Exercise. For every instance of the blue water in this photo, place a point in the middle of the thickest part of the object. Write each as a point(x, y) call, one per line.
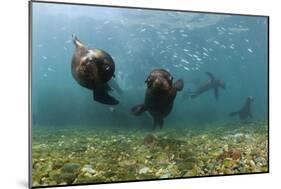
point(233, 48)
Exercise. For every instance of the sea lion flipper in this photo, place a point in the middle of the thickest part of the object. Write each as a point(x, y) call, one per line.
point(216, 92)
point(212, 77)
point(138, 109)
point(178, 85)
point(107, 87)
point(101, 95)
point(158, 121)
point(77, 42)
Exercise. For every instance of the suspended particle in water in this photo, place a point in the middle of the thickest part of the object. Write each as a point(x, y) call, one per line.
point(106, 22)
point(184, 61)
point(205, 54)
point(51, 70)
point(161, 52)
point(186, 68)
point(143, 30)
point(68, 41)
point(216, 42)
point(111, 109)
point(250, 50)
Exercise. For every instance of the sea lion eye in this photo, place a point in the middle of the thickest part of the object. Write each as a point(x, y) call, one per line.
point(171, 78)
point(148, 80)
point(107, 67)
point(90, 60)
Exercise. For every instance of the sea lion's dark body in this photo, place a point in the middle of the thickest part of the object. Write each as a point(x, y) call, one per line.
point(159, 97)
point(212, 83)
point(158, 104)
point(92, 69)
point(245, 111)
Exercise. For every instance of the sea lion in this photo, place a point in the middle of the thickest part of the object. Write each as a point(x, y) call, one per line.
point(93, 68)
point(159, 97)
point(245, 111)
point(212, 83)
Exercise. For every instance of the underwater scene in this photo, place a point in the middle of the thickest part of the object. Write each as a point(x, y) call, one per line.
point(127, 94)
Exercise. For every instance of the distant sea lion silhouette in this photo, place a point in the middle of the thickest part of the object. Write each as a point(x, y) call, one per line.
point(245, 111)
point(159, 97)
point(212, 83)
point(93, 68)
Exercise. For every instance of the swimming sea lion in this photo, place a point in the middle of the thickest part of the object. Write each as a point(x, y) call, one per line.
point(93, 68)
point(245, 111)
point(212, 83)
point(160, 95)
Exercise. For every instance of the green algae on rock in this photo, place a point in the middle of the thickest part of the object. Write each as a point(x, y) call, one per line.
point(109, 155)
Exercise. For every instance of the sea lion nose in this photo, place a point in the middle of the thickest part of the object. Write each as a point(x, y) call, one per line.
point(158, 82)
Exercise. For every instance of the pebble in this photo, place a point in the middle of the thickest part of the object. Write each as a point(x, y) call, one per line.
point(159, 172)
point(68, 177)
point(261, 161)
point(70, 167)
point(167, 175)
point(88, 169)
point(143, 170)
point(252, 163)
point(225, 147)
point(148, 156)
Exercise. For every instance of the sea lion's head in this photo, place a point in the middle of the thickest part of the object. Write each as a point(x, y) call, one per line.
point(93, 68)
point(88, 58)
point(159, 80)
point(102, 61)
